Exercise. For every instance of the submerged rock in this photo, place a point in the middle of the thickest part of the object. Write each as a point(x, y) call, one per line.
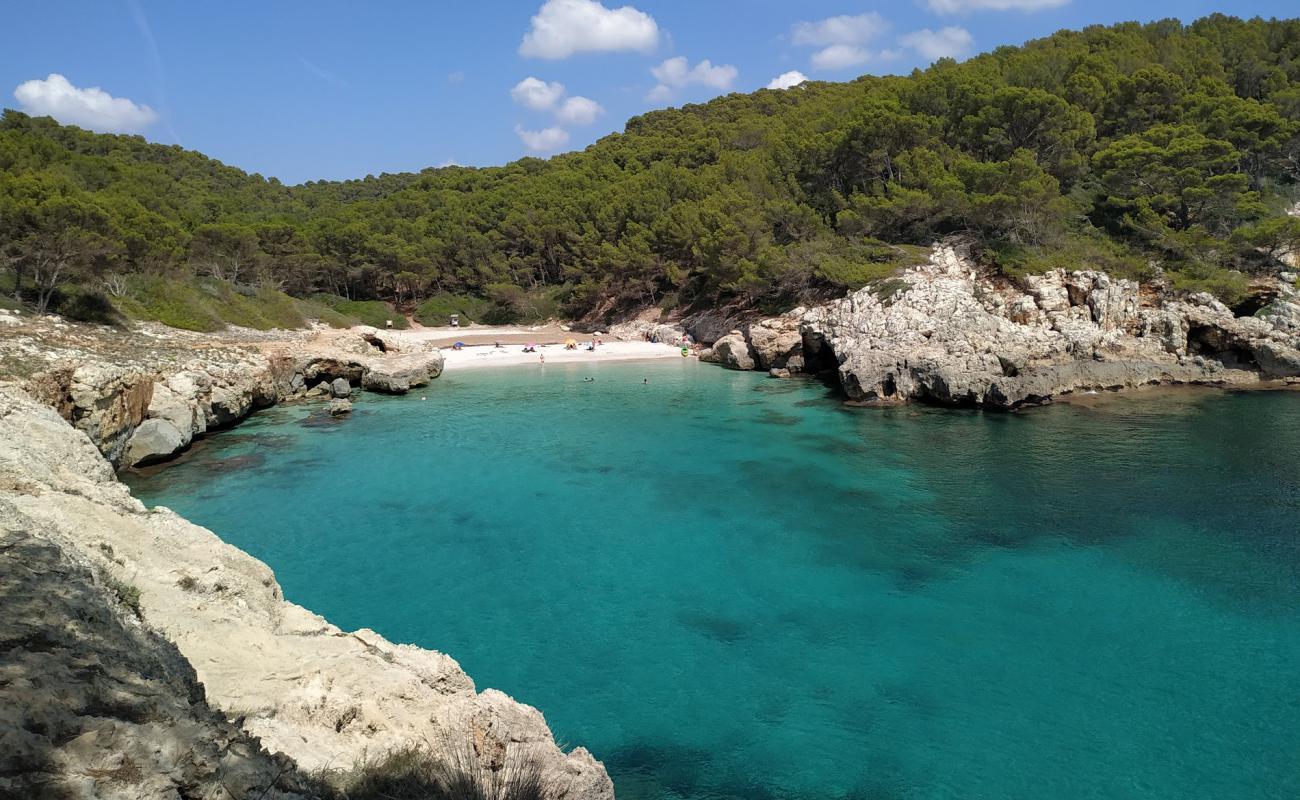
point(339, 407)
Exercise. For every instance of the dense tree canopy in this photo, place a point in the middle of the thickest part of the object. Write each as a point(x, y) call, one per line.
point(1162, 144)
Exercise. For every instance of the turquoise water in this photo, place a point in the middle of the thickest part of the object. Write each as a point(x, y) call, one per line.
point(728, 586)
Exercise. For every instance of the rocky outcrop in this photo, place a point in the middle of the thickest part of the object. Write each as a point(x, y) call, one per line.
point(93, 703)
point(648, 330)
point(731, 351)
point(946, 334)
point(774, 345)
point(323, 696)
point(340, 407)
point(175, 386)
point(943, 332)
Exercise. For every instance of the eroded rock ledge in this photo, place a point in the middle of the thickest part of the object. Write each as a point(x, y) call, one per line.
point(323, 696)
point(148, 403)
point(943, 332)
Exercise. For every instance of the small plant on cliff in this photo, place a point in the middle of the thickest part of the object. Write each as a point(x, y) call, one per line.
point(126, 594)
point(889, 289)
point(416, 772)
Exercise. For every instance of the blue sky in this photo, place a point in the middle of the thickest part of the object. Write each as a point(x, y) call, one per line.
point(322, 89)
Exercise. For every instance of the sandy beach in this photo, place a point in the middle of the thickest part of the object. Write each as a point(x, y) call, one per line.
point(511, 355)
point(481, 346)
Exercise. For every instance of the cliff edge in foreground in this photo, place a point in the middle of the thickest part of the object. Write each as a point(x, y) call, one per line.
point(324, 697)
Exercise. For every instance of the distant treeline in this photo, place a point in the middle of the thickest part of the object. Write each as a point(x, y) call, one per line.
point(1131, 148)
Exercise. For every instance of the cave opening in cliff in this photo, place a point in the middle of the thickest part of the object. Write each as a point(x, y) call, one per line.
point(1253, 303)
point(887, 387)
point(820, 360)
point(1211, 341)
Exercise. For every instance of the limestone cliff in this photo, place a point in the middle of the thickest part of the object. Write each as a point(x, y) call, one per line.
point(945, 332)
point(144, 395)
point(93, 703)
point(323, 696)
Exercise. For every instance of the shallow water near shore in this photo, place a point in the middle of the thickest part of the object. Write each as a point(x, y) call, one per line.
point(728, 586)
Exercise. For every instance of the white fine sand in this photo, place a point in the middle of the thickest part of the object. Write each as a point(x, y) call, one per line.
point(512, 355)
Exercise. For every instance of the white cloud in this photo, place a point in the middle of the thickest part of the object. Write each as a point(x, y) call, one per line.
point(455, 77)
point(546, 140)
point(787, 80)
point(840, 39)
point(537, 94)
point(840, 56)
point(562, 28)
point(540, 95)
point(843, 29)
point(950, 42)
point(91, 108)
point(964, 6)
point(578, 111)
point(677, 73)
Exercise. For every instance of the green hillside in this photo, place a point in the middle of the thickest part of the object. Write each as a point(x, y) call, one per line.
point(1130, 148)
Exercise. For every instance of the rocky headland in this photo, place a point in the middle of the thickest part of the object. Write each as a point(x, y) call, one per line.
point(142, 656)
point(144, 395)
point(950, 333)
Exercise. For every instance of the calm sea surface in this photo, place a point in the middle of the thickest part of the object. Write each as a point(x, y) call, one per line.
point(728, 586)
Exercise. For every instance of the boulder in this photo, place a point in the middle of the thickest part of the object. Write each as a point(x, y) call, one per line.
point(777, 343)
point(340, 387)
point(400, 374)
point(339, 407)
point(154, 440)
point(732, 351)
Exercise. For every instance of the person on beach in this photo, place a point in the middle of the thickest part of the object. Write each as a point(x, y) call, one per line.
point(541, 358)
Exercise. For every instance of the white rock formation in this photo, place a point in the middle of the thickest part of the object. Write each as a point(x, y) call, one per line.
point(323, 696)
point(941, 332)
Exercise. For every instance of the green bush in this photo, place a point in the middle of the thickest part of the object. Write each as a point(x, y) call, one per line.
point(1074, 251)
point(311, 309)
point(437, 310)
point(1228, 285)
point(180, 305)
point(207, 304)
point(374, 313)
point(126, 594)
point(415, 773)
point(86, 305)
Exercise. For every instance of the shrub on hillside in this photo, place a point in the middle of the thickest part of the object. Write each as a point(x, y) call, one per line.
point(368, 312)
point(416, 773)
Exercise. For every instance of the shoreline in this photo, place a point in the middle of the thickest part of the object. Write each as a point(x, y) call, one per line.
point(473, 357)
